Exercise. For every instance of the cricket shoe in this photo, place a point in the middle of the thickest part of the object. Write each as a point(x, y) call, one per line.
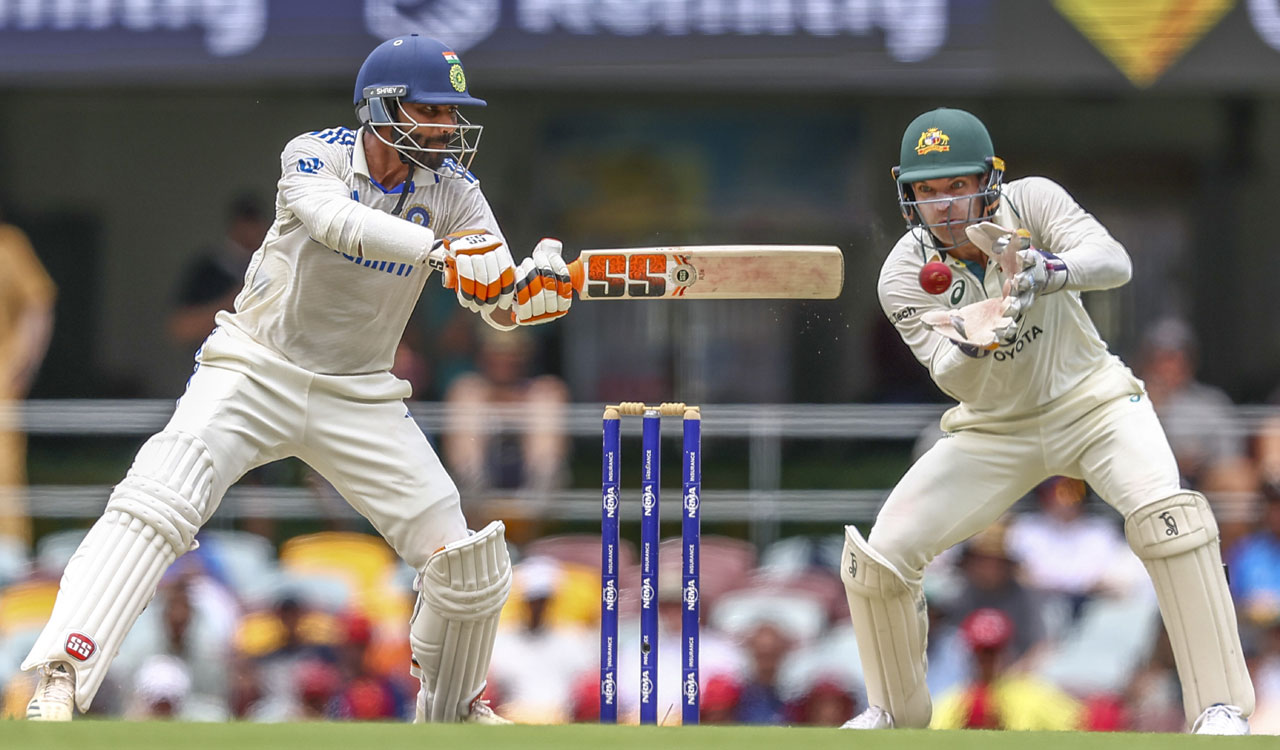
point(873, 718)
point(54, 699)
point(1221, 719)
point(480, 712)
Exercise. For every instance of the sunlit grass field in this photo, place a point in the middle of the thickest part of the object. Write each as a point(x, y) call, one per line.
point(84, 735)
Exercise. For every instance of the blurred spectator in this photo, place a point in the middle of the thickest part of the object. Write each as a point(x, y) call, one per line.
point(1059, 548)
point(26, 322)
point(1254, 562)
point(161, 689)
point(1198, 419)
point(212, 280)
point(989, 582)
point(826, 704)
point(293, 637)
point(1268, 447)
point(720, 698)
point(535, 665)
point(531, 456)
point(761, 701)
point(364, 694)
point(999, 698)
point(1154, 695)
point(318, 684)
point(204, 659)
point(1265, 668)
point(246, 694)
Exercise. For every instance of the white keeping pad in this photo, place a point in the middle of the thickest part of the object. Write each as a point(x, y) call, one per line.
point(1177, 539)
point(463, 589)
point(890, 627)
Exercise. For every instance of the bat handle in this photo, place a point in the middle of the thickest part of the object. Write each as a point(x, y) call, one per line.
point(439, 260)
point(575, 275)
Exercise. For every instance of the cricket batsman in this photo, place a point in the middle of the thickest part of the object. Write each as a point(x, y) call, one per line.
point(1039, 395)
point(301, 368)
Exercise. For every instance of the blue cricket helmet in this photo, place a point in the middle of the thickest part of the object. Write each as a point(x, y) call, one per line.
point(416, 69)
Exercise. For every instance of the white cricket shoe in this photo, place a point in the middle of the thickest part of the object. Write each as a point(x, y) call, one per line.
point(54, 699)
point(481, 713)
point(873, 718)
point(1221, 718)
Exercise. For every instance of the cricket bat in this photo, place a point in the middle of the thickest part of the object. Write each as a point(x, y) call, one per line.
point(698, 272)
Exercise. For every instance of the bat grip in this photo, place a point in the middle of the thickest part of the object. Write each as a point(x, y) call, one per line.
point(575, 275)
point(439, 260)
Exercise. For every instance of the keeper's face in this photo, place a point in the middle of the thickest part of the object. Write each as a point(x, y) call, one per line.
point(949, 204)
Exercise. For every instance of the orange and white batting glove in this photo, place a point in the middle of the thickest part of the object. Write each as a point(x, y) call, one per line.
point(543, 289)
point(486, 273)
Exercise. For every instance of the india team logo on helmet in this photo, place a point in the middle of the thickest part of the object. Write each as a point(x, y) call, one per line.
point(932, 140)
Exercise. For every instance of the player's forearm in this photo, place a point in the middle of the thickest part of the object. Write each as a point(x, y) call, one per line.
point(344, 225)
point(1100, 263)
point(958, 374)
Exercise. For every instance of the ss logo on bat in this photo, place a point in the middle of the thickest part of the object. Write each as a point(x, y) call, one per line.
point(613, 275)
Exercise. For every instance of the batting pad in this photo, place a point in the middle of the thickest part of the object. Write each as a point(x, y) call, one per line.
point(890, 626)
point(151, 518)
point(1177, 539)
point(463, 588)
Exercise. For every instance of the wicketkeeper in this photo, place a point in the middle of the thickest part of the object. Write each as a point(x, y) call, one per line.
point(301, 368)
point(1039, 395)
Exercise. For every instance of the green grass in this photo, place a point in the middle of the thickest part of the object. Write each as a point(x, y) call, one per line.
point(86, 735)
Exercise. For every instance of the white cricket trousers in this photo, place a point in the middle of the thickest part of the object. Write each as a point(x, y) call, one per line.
point(251, 407)
point(244, 406)
point(969, 478)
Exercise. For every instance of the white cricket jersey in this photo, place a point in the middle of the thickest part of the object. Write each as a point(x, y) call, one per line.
point(324, 309)
point(1058, 349)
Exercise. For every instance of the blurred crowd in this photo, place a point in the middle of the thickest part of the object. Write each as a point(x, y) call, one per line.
point(1045, 620)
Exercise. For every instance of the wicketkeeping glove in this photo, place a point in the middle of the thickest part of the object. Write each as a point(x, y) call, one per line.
point(984, 325)
point(1029, 272)
point(486, 273)
point(1042, 273)
point(544, 291)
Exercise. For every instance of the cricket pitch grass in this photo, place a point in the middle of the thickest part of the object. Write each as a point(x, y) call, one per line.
point(88, 735)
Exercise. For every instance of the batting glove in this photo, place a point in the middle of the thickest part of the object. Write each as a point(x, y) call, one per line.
point(543, 289)
point(486, 273)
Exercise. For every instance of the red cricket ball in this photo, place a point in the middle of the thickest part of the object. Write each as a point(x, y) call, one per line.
point(935, 277)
